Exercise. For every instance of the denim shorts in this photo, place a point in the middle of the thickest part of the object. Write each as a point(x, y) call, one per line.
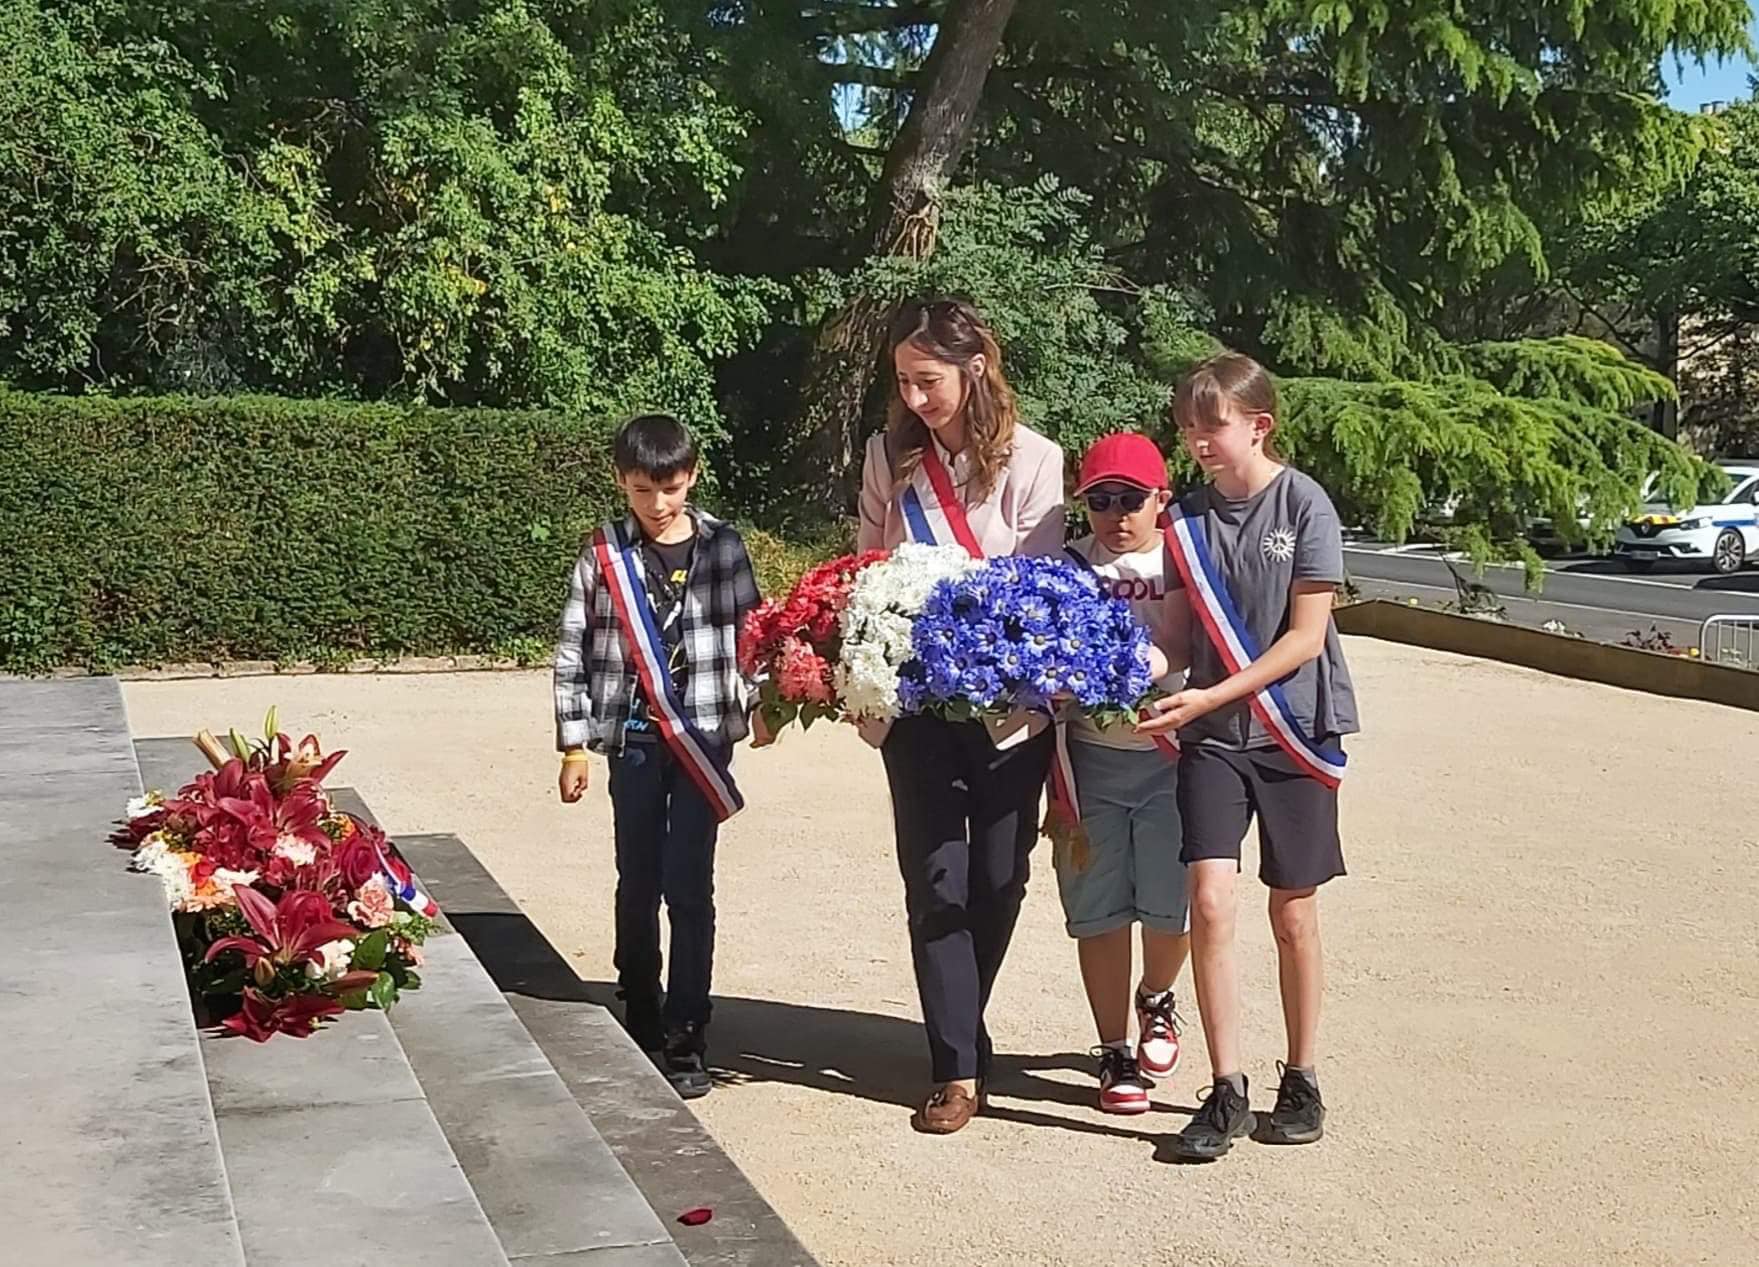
point(1130, 811)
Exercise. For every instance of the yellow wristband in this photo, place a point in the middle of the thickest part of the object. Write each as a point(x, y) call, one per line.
point(573, 758)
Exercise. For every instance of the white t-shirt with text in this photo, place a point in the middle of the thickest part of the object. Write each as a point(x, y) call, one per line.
point(1140, 579)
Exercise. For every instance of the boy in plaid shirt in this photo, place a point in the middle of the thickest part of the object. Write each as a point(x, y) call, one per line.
point(694, 577)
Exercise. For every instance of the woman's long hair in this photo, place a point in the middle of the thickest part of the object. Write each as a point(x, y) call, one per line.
point(952, 331)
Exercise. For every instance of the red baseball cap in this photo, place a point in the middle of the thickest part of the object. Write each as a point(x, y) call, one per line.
point(1125, 458)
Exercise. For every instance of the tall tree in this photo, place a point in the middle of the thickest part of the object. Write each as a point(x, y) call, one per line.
point(1329, 176)
point(902, 221)
point(475, 201)
point(1673, 275)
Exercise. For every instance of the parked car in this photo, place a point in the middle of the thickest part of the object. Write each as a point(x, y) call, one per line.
point(1724, 534)
point(1543, 534)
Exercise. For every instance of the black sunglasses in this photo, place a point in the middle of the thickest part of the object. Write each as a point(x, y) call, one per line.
point(1129, 502)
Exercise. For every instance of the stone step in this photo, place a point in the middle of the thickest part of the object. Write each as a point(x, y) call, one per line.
point(549, 1188)
point(108, 1147)
point(662, 1145)
point(553, 1190)
point(331, 1143)
point(332, 1137)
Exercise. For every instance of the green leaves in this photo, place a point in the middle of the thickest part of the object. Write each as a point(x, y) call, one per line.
point(1028, 259)
point(505, 211)
point(1390, 451)
point(369, 951)
point(280, 530)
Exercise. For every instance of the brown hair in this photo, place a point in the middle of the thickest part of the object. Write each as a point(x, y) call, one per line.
point(1227, 377)
point(951, 330)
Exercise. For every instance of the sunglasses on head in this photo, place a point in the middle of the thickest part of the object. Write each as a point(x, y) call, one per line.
point(1130, 501)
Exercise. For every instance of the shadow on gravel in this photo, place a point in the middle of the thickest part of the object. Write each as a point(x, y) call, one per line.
point(862, 1054)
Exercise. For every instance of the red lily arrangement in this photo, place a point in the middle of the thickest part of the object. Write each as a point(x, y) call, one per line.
point(289, 910)
point(791, 644)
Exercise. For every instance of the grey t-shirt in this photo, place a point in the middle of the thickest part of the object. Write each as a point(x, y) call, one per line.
point(1285, 533)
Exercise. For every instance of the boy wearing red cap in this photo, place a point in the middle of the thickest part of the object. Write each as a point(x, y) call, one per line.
point(1126, 787)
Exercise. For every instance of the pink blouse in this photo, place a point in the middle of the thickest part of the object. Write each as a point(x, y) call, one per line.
point(1023, 513)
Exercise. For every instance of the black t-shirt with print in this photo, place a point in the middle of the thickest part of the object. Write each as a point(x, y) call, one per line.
point(665, 566)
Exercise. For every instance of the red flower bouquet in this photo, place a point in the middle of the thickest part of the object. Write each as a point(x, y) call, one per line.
point(288, 909)
point(790, 645)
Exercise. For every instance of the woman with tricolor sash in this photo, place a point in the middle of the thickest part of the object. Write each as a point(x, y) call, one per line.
point(955, 466)
point(1257, 556)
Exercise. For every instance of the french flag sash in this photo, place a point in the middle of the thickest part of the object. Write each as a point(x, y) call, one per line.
point(933, 513)
point(1233, 641)
point(401, 881)
point(695, 755)
point(1063, 815)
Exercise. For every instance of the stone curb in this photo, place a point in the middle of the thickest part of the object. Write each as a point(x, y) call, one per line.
point(268, 668)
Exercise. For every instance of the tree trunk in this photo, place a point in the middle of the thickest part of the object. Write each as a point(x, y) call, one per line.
point(904, 217)
point(1666, 413)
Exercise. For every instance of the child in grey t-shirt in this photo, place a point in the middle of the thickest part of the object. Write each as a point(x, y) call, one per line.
point(1258, 555)
point(1262, 545)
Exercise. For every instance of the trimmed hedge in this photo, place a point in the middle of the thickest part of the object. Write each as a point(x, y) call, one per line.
point(169, 529)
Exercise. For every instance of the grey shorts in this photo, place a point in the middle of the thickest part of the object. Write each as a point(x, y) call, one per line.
point(1130, 811)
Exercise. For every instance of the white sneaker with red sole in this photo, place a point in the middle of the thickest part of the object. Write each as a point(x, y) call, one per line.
point(1121, 1089)
point(1159, 1026)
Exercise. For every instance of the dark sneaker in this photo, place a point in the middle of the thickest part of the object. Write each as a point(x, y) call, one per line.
point(684, 1060)
point(641, 1020)
point(1121, 1089)
point(1159, 1026)
point(1223, 1118)
point(1299, 1116)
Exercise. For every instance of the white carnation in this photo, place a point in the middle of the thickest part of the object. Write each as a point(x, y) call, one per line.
point(156, 857)
point(301, 853)
point(332, 961)
point(228, 879)
point(883, 603)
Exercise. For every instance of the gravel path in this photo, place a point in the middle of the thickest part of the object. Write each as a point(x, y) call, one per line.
point(1543, 1011)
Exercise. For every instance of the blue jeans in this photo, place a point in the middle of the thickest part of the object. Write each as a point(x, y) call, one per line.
point(665, 835)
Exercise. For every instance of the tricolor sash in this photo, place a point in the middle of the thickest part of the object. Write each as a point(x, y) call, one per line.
point(1233, 641)
point(635, 616)
point(933, 513)
point(1063, 816)
point(401, 881)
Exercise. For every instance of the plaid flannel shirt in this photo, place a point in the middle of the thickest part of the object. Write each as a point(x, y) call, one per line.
point(596, 680)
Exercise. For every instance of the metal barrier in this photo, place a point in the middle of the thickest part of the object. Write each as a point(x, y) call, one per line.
point(1732, 640)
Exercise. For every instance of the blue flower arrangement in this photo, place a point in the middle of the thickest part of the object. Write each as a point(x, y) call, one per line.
point(1017, 632)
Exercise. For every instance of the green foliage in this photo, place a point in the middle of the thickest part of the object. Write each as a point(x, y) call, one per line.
point(779, 561)
point(113, 195)
point(1066, 320)
point(201, 530)
point(303, 198)
point(1387, 451)
point(1690, 245)
point(1588, 371)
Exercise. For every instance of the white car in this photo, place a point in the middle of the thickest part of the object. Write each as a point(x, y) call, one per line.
point(1724, 534)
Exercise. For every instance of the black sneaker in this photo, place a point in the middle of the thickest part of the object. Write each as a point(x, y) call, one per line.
point(642, 1022)
point(1224, 1117)
point(1299, 1116)
point(684, 1060)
